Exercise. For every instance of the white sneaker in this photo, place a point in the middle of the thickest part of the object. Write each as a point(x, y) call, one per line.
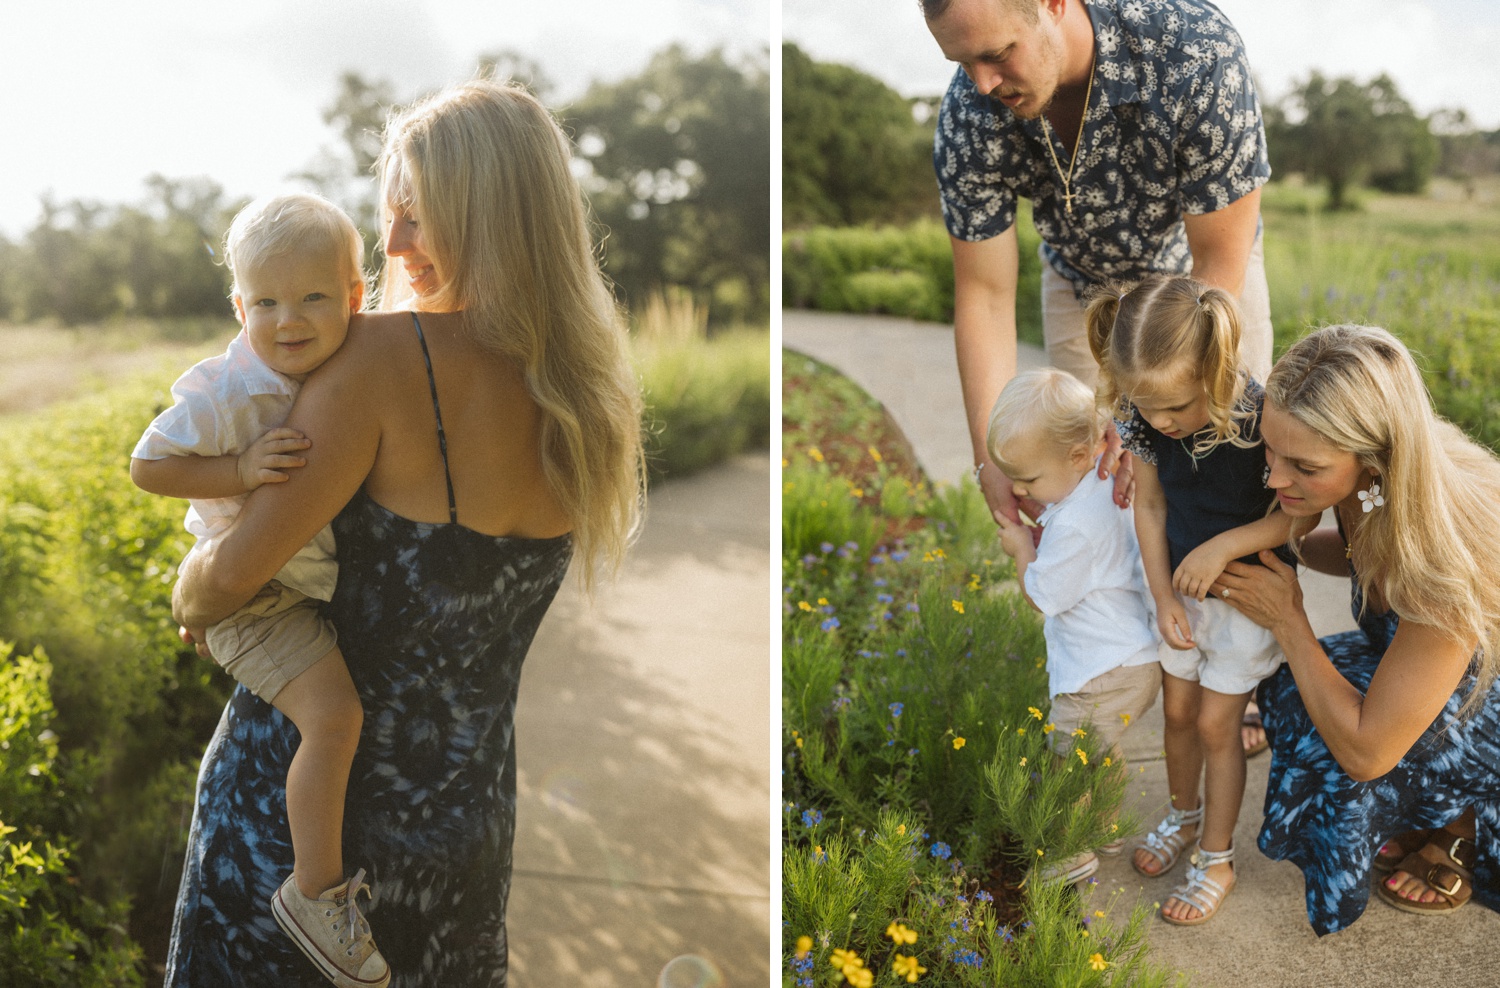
point(332, 933)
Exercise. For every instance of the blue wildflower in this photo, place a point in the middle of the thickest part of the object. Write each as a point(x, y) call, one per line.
point(884, 598)
point(829, 624)
point(941, 851)
point(899, 555)
point(984, 896)
point(811, 818)
point(878, 582)
point(912, 606)
point(827, 547)
point(896, 709)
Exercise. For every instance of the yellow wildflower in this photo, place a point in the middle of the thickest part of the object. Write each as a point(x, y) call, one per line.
point(1033, 711)
point(860, 977)
point(1108, 761)
point(845, 960)
point(1083, 756)
point(1020, 732)
point(1040, 852)
point(901, 828)
point(804, 947)
point(815, 453)
point(822, 601)
point(974, 581)
point(1079, 732)
point(1023, 761)
point(803, 605)
point(1126, 719)
point(875, 454)
point(1098, 963)
point(958, 743)
point(1098, 913)
point(857, 492)
point(958, 606)
point(785, 463)
point(907, 967)
point(799, 742)
point(1048, 729)
point(940, 554)
point(901, 933)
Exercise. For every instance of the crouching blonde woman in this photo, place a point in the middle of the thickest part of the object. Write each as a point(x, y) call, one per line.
point(466, 444)
point(1385, 741)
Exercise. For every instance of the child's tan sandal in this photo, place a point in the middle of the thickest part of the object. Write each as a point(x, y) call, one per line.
point(1201, 892)
point(1451, 876)
point(1166, 842)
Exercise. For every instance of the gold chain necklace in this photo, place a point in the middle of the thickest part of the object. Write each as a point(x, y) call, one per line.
point(1067, 179)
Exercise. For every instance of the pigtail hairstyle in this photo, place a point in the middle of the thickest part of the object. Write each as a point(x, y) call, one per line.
point(484, 169)
point(1430, 552)
point(1143, 334)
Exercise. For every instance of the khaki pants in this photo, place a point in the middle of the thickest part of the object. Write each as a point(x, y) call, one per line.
point(1068, 342)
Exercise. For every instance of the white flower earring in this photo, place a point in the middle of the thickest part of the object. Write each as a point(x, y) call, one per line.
point(1371, 499)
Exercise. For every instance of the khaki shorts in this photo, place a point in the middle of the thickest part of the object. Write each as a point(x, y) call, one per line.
point(1068, 340)
point(1108, 702)
point(272, 640)
point(1233, 655)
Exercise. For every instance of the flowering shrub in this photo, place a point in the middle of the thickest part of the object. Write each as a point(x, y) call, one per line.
point(917, 757)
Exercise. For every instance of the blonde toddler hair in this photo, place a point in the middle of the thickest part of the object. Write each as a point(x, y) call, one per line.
point(1048, 404)
point(1144, 336)
point(277, 225)
point(1431, 552)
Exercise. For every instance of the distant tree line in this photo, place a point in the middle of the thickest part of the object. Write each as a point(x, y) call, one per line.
point(674, 160)
point(855, 151)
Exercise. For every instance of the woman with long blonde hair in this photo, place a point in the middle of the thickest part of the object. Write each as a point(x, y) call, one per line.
point(1386, 740)
point(467, 443)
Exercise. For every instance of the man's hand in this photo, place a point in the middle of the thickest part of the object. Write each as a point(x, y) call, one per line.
point(1172, 622)
point(267, 459)
point(995, 486)
point(1117, 461)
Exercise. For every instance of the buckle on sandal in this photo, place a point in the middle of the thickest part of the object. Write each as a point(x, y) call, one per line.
point(1456, 847)
point(1457, 881)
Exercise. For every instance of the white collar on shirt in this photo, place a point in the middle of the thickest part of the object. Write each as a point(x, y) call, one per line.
point(257, 377)
point(1078, 493)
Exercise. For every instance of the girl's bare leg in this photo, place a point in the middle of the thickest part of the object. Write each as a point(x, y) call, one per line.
point(1223, 786)
point(324, 705)
point(1180, 700)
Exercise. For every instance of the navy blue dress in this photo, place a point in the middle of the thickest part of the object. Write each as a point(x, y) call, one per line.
point(1330, 826)
point(434, 621)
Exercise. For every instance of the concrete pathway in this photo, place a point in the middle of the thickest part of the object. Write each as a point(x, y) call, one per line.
point(1261, 937)
point(644, 818)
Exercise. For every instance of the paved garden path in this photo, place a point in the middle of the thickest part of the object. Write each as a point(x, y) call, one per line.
point(1261, 936)
point(644, 779)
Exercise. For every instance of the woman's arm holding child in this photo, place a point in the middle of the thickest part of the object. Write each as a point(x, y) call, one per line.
point(230, 475)
point(1151, 532)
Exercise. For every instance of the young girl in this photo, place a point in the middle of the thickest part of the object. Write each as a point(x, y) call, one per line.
point(1170, 369)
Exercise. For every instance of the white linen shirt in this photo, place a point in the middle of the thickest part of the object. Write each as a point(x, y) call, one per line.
point(222, 405)
point(1088, 582)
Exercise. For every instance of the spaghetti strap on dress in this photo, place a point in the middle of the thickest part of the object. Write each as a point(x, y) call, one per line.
point(434, 621)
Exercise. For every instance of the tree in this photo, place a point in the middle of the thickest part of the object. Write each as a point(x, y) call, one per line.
point(852, 150)
point(678, 172)
point(1343, 133)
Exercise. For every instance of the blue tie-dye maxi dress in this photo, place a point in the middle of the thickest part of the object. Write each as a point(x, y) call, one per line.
point(1330, 826)
point(434, 622)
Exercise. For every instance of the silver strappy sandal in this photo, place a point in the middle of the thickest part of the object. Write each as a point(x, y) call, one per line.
point(1166, 842)
point(1201, 892)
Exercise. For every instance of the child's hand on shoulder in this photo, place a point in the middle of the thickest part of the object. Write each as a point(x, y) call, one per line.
point(267, 459)
point(1016, 540)
point(1198, 571)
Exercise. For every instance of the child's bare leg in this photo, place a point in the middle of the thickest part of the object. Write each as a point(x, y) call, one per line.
point(1180, 701)
point(1223, 785)
point(324, 705)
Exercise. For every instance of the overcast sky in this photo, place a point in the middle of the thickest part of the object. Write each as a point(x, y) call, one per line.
point(101, 93)
point(1442, 53)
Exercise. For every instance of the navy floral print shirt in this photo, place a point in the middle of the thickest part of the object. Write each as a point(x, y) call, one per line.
point(1172, 128)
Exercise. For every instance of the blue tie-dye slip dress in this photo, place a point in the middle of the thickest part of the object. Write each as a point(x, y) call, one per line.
point(1330, 826)
point(434, 621)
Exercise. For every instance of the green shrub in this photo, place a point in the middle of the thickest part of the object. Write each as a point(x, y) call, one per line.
point(51, 932)
point(903, 270)
point(706, 399)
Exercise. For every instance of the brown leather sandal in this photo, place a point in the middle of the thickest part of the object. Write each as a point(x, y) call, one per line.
point(1446, 864)
point(1394, 851)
